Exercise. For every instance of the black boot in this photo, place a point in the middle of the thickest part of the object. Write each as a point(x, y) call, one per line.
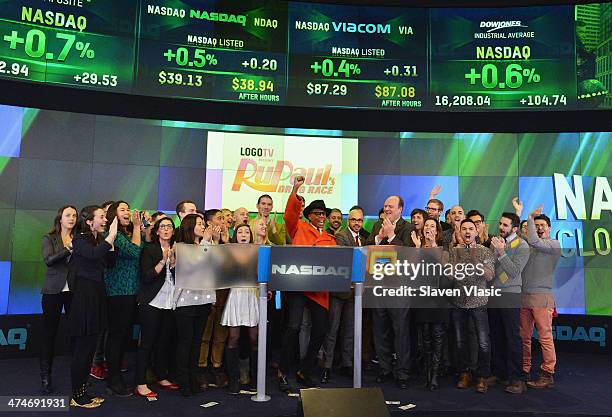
point(436, 359)
point(428, 370)
point(433, 383)
point(45, 376)
point(184, 386)
point(253, 370)
point(117, 387)
point(232, 362)
point(81, 399)
point(194, 383)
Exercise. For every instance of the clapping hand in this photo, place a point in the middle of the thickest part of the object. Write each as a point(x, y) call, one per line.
point(172, 255)
point(136, 219)
point(216, 233)
point(112, 228)
point(536, 212)
point(208, 234)
point(273, 222)
point(387, 228)
point(415, 239)
point(457, 239)
point(499, 245)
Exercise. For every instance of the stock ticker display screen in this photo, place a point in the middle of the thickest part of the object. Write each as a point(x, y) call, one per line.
point(316, 55)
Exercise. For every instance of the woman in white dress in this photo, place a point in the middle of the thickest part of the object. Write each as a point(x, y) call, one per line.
point(242, 309)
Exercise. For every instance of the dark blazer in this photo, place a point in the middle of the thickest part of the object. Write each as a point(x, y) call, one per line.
point(150, 281)
point(56, 258)
point(364, 234)
point(402, 234)
point(345, 238)
point(90, 257)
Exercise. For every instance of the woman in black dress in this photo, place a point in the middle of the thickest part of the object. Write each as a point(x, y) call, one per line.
point(56, 251)
point(92, 253)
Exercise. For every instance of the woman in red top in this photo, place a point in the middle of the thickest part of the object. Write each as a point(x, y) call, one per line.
point(309, 233)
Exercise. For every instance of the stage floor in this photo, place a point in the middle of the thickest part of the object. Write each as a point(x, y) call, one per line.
point(582, 388)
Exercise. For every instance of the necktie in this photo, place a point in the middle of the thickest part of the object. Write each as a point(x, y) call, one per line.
point(357, 240)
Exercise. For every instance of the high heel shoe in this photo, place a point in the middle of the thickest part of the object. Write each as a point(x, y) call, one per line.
point(148, 395)
point(169, 387)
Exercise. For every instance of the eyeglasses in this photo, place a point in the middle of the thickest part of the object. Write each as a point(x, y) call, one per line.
point(433, 209)
point(165, 226)
point(318, 213)
point(356, 220)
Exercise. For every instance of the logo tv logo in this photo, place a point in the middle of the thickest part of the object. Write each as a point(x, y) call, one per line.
point(14, 337)
point(579, 334)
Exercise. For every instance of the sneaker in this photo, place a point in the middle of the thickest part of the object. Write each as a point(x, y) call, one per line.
point(98, 372)
point(83, 402)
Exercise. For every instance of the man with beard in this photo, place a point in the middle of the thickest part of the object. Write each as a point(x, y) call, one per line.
point(335, 221)
point(342, 305)
point(511, 253)
point(471, 307)
point(455, 216)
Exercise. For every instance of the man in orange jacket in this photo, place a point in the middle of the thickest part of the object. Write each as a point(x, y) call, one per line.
point(310, 233)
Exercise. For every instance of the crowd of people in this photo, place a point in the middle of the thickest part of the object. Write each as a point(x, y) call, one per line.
point(110, 266)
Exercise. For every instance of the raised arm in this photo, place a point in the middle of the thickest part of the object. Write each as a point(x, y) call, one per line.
point(294, 206)
point(550, 246)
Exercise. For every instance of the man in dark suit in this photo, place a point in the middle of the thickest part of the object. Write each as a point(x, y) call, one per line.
point(392, 230)
point(342, 305)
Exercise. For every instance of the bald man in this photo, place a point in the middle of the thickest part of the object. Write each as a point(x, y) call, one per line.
point(456, 215)
point(392, 230)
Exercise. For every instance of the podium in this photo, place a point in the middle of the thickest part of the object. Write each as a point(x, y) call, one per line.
point(279, 268)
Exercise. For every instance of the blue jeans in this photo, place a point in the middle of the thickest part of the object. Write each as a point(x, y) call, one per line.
point(480, 319)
